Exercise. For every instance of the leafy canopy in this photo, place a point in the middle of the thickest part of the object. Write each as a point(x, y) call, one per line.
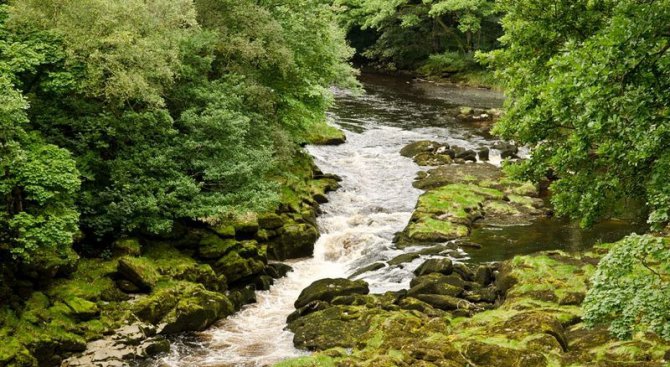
point(589, 91)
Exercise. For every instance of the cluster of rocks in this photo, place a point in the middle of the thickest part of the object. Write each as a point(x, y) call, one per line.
point(460, 197)
point(109, 311)
point(430, 153)
point(331, 312)
point(138, 340)
point(535, 320)
point(473, 114)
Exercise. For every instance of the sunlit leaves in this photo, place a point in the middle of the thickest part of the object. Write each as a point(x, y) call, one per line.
point(630, 288)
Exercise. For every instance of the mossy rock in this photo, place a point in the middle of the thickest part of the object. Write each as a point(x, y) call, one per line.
point(429, 230)
point(139, 271)
point(214, 247)
point(327, 289)
point(224, 230)
point(81, 308)
point(484, 354)
point(372, 267)
point(235, 267)
point(294, 241)
point(127, 246)
point(270, 221)
point(337, 326)
point(423, 146)
point(196, 309)
point(246, 225)
point(442, 265)
point(427, 286)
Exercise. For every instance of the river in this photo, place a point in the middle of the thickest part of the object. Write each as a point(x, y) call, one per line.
point(359, 221)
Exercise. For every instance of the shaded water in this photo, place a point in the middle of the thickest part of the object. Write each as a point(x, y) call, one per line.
point(358, 224)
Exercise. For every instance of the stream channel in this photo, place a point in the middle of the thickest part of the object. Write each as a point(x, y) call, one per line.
point(375, 201)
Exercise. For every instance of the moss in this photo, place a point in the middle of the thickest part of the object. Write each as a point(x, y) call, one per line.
point(91, 281)
point(456, 200)
point(525, 201)
point(312, 361)
point(433, 230)
point(82, 308)
point(498, 207)
point(127, 246)
point(322, 133)
point(225, 230)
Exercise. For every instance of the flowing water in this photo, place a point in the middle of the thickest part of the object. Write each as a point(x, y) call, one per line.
point(358, 224)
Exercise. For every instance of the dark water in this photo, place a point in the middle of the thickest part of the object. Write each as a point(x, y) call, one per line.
point(500, 243)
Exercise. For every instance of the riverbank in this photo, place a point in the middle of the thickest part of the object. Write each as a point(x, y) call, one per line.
point(118, 308)
point(520, 312)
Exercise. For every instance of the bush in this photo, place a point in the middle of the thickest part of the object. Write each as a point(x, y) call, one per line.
point(448, 63)
point(630, 288)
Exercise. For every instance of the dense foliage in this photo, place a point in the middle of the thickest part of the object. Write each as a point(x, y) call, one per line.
point(403, 34)
point(124, 116)
point(589, 91)
point(631, 286)
point(589, 88)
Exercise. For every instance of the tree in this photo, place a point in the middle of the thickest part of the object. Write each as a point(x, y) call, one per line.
point(589, 92)
point(408, 32)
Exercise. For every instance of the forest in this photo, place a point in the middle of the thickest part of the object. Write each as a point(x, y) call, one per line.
point(155, 172)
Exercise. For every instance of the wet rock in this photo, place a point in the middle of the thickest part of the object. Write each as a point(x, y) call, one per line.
point(369, 268)
point(484, 275)
point(488, 295)
point(430, 159)
point(263, 282)
point(464, 271)
point(278, 270)
point(294, 241)
point(447, 303)
point(444, 266)
point(138, 271)
point(127, 286)
point(235, 267)
point(196, 312)
point(467, 155)
point(411, 303)
point(307, 309)
point(404, 258)
point(483, 154)
point(242, 296)
point(327, 289)
point(417, 147)
point(429, 286)
point(337, 326)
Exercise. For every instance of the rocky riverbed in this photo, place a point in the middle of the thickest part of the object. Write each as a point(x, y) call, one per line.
point(520, 312)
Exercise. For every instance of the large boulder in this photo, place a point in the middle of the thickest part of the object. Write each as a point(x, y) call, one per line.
point(327, 289)
point(294, 240)
point(138, 271)
point(431, 285)
point(196, 312)
point(443, 266)
point(235, 267)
